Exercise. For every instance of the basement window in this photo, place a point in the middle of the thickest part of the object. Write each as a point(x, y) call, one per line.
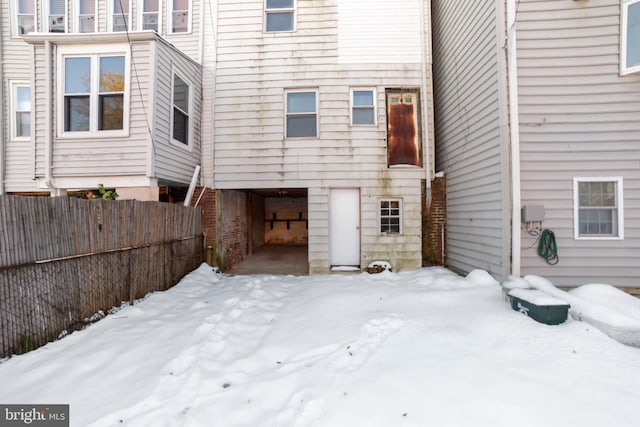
point(598, 208)
point(391, 216)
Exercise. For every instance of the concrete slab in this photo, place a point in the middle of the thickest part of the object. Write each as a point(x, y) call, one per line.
point(275, 259)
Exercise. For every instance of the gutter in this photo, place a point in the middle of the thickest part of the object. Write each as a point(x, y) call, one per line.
point(514, 126)
point(423, 104)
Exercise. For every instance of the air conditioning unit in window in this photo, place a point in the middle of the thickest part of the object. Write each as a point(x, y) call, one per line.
point(56, 24)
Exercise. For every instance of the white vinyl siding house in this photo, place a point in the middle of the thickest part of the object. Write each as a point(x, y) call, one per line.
point(254, 149)
point(572, 119)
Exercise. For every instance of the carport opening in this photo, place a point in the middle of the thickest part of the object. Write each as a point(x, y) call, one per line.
point(277, 232)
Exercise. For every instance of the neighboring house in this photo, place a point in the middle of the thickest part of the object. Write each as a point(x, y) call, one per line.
point(322, 131)
point(100, 92)
point(538, 106)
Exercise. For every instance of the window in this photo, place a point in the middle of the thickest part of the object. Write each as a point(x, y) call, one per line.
point(150, 15)
point(181, 109)
point(86, 18)
point(25, 17)
point(279, 15)
point(302, 117)
point(179, 16)
point(403, 132)
point(391, 216)
point(56, 13)
point(363, 110)
point(598, 210)
point(21, 111)
point(94, 93)
point(120, 17)
point(630, 40)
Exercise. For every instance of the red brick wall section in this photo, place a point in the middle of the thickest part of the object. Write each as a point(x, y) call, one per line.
point(233, 234)
point(434, 223)
point(207, 205)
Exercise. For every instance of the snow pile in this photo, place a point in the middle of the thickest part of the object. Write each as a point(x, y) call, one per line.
point(612, 311)
point(414, 348)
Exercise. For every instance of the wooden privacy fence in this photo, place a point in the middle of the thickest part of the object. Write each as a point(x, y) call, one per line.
point(64, 259)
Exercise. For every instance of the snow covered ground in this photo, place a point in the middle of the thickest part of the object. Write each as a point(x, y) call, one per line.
point(416, 348)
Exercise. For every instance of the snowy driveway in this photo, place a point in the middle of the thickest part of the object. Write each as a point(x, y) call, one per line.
point(418, 348)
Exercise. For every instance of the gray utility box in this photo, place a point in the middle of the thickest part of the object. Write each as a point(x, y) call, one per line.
point(538, 305)
point(532, 213)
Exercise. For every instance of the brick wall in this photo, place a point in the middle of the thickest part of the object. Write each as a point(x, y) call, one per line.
point(434, 223)
point(286, 208)
point(207, 205)
point(233, 233)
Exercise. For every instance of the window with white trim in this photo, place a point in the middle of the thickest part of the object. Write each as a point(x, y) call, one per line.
point(630, 37)
point(181, 111)
point(149, 15)
point(56, 12)
point(20, 111)
point(120, 15)
point(363, 108)
point(279, 15)
point(24, 17)
point(85, 11)
point(94, 92)
point(598, 208)
point(391, 216)
point(179, 16)
point(301, 114)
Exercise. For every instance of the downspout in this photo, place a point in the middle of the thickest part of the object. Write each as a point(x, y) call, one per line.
point(514, 126)
point(424, 46)
point(48, 180)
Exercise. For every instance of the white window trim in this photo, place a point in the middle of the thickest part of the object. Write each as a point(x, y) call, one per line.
point(140, 14)
point(286, 112)
point(619, 205)
point(110, 12)
point(14, 18)
point(76, 16)
point(175, 142)
point(46, 14)
point(170, 18)
point(400, 206)
point(352, 106)
point(293, 9)
point(624, 7)
point(115, 49)
point(13, 102)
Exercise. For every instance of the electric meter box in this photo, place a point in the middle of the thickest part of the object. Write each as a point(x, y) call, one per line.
point(532, 213)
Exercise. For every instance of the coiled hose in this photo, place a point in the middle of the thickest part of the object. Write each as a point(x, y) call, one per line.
point(547, 248)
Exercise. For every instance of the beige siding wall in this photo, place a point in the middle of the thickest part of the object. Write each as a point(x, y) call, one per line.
point(578, 118)
point(253, 70)
point(16, 62)
point(174, 161)
point(470, 134)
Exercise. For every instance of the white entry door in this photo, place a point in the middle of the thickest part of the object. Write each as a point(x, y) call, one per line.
point(344, 227)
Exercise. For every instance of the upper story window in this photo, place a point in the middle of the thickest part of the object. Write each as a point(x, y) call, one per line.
point(598, 208)
point(391, 216)
point(301, 114)
point(56, 15)
point(24, 18)
point(94, 92)
point(180, 123)
point(279, 15)
point(403, 135)
point(21, 111)
point(179, 16)
point(630, 40)
point(149, 15)
point(120, 15)
point(363, 109)
point(85, 16)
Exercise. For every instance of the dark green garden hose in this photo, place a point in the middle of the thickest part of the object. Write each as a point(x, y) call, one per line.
point(547, 248)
